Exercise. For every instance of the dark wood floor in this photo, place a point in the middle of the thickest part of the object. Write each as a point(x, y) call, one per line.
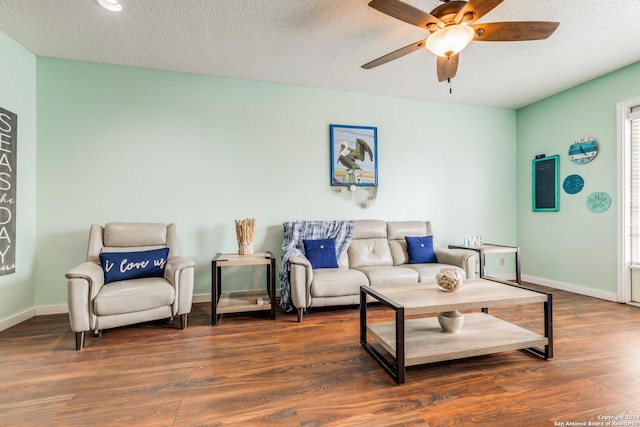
point(250, 371)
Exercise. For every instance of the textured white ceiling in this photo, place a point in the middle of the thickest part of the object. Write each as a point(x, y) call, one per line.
point(323, 43)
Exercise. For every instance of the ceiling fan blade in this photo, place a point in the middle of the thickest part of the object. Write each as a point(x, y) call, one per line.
point(447, 67)
point(394, 55)
point(477, 9)
point(405, 12)
point(514, 31)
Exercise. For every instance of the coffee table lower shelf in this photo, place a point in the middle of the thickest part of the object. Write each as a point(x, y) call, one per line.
point(242, 301)
point(481, 334)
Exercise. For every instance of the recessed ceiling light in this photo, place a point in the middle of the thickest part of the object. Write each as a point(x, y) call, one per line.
point(112, 5)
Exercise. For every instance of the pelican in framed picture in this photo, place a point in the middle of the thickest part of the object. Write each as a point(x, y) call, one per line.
point(354, 155)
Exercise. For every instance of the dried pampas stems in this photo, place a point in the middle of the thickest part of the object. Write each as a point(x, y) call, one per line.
point(244, 233)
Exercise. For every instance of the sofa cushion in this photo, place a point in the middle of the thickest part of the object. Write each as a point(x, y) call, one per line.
point(129, 296)
point(334, 282)
point(399, 251)
point(321, 253)
point(427, 272)
point(396, 230)
point(369, 252)
point(133, 265)
point(369, 229)
point(420, 249)
point(390, 275)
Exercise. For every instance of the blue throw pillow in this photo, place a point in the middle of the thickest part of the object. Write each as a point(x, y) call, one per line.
point(133, 265)
point(420, 249)
point(321, 253)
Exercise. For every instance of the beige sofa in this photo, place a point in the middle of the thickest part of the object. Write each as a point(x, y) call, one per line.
point(376, 255)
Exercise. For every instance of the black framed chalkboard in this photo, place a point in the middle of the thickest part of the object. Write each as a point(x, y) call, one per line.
point(545, 186)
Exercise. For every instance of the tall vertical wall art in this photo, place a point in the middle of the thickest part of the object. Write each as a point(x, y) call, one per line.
point(8, 174)
point(545, 183)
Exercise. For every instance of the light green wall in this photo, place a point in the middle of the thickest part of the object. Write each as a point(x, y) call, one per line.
point(573, 246)
point(127, 144)
point(18, 95)
point(118, 143)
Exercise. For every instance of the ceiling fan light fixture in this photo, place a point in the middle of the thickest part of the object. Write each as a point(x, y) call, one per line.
point(450, 40)
point(112, 5)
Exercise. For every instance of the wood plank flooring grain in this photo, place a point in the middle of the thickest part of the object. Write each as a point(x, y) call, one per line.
point(251, 371)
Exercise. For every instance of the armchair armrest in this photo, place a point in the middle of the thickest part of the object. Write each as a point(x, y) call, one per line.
point(83, 283)
point(462, 258)
point(179, 272)
point(91, 272)
point(174, 266)
point(300, 277)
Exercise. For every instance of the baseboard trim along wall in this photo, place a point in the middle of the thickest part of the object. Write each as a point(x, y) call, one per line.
point(17, 319)
point(608, 296)
point(62, 309)
point(51, 309)
point(200, 298)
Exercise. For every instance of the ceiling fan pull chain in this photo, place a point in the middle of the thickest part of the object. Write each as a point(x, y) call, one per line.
point(449, 81)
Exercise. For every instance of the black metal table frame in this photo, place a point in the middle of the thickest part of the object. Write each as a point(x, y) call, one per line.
point(216, 285)
point(397, 370)
point(482, 256)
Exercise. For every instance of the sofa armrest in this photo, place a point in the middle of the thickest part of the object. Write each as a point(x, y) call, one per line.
point(83, 284)
point(300, 260)
point(462, 258)
point(179, 272)
point(300, 278)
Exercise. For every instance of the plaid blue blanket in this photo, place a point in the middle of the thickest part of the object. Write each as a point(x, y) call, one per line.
point(294, 233)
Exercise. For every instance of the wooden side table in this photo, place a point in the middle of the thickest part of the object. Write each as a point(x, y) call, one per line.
point(489, 248)
point(242, 301)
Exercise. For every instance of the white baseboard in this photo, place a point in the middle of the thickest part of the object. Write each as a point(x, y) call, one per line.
point(507, 276)
point(202, 298)
point(51, 309)
point(207, 297)
point(61, 309)
point(18, 318)
point(595, 293)
point(32, 312)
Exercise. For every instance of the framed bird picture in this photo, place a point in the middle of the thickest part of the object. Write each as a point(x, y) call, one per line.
point(354, 155)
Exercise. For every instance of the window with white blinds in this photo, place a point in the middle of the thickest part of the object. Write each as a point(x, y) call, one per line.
point(634, 185)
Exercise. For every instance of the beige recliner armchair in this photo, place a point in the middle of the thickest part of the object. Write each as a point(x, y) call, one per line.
point(138, 289)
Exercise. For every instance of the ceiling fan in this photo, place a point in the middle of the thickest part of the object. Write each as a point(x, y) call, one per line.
point(450, 25)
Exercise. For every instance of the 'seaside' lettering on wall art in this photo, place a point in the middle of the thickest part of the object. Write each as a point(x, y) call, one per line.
point(8, 163)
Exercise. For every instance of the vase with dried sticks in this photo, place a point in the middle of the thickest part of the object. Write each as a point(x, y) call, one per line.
point(244, 233)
